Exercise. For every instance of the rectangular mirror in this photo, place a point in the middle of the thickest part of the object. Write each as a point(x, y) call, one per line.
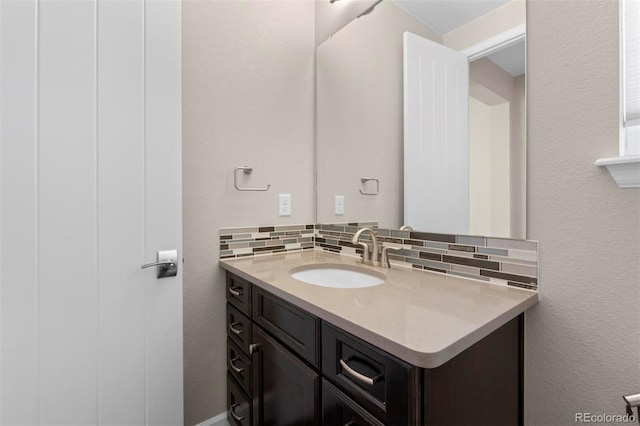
point(421, 118)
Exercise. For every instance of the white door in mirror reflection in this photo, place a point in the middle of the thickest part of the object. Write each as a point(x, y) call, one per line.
point(436, 142)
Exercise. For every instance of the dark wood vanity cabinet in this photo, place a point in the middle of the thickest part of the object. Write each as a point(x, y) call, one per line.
point(287, 367)
point(286, 390)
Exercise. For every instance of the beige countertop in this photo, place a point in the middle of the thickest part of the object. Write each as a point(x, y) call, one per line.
point(422, 317)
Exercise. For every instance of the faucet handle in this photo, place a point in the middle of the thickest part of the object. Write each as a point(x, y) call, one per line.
point(384, 257)
point(365, 251)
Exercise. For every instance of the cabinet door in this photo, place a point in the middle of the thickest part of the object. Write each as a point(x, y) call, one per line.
point(285, 390)
point(338, 409)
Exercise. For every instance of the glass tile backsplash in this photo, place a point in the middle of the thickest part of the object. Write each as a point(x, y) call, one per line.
point(497, 260)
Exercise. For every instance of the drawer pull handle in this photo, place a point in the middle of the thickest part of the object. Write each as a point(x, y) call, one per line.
point(253, 348)
point(235, 292)
point(358, 376)
point(234, 330)
point(233, 412)
point(233, 367)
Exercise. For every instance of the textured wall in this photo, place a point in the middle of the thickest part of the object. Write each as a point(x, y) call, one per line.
point(248, 84)
point(583, 338)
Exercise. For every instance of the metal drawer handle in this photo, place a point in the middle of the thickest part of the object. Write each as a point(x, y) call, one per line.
point(234, 330)
point(233, 413)
point(235, 292)
point(233, 367)
point(633, 401)
point(253, 348)
point(358, 376)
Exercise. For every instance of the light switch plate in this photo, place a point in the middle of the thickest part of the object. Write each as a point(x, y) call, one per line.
point(339, 204)
point(285, 204)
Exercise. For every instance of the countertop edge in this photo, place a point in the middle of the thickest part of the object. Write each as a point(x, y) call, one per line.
point(411, 356)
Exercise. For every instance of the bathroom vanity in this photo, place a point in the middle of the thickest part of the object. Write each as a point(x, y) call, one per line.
point(421, 348)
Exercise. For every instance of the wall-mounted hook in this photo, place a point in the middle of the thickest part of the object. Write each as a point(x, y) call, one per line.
point(366, 179)
point(247, 170)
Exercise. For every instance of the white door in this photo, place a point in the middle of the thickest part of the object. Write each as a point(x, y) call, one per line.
point(90, 185)
point(436, 144)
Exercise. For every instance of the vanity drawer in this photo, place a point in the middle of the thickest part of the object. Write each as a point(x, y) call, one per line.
point(239, 365)
point(238, 328)
point(381, 383)
point(293, 327)
point(339, 409)
point(239, 293)
point(238, 404)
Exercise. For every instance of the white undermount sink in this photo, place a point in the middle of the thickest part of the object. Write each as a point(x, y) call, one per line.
point(337, 275)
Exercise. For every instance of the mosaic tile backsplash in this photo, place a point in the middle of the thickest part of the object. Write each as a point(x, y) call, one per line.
point(496, 260)
point(249, 241)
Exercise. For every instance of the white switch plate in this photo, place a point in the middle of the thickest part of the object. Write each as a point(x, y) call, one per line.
point(339, 204)
point(285, 204)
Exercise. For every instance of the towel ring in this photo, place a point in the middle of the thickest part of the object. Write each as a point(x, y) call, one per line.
point(247, 170)
point(366, 179)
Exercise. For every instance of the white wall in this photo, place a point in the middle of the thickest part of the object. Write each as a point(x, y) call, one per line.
point(501, 171)
point(489, 168)
point(479, 167)
point(583, 338)
point(248, 99)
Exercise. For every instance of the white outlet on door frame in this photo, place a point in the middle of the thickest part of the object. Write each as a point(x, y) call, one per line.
point(284, 204)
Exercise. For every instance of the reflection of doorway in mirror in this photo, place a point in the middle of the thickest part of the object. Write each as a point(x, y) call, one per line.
point(489, 171)
point(497, 147)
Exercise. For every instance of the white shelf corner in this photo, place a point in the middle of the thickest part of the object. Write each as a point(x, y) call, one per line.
point(624, 170)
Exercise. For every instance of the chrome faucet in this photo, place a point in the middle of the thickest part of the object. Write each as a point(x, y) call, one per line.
point(384, 256)
point(366, 257)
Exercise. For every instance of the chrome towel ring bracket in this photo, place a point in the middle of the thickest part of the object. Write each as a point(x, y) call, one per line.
point(247, 170)
point(367, 179)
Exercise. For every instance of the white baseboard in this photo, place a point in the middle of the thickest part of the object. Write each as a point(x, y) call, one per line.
point(213, 420)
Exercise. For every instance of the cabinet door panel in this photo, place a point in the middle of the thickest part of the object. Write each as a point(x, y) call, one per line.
point(285, 390)
point(338, 409)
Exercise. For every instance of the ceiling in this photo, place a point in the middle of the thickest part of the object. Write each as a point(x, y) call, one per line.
point(511, 59)
point(445, 16)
